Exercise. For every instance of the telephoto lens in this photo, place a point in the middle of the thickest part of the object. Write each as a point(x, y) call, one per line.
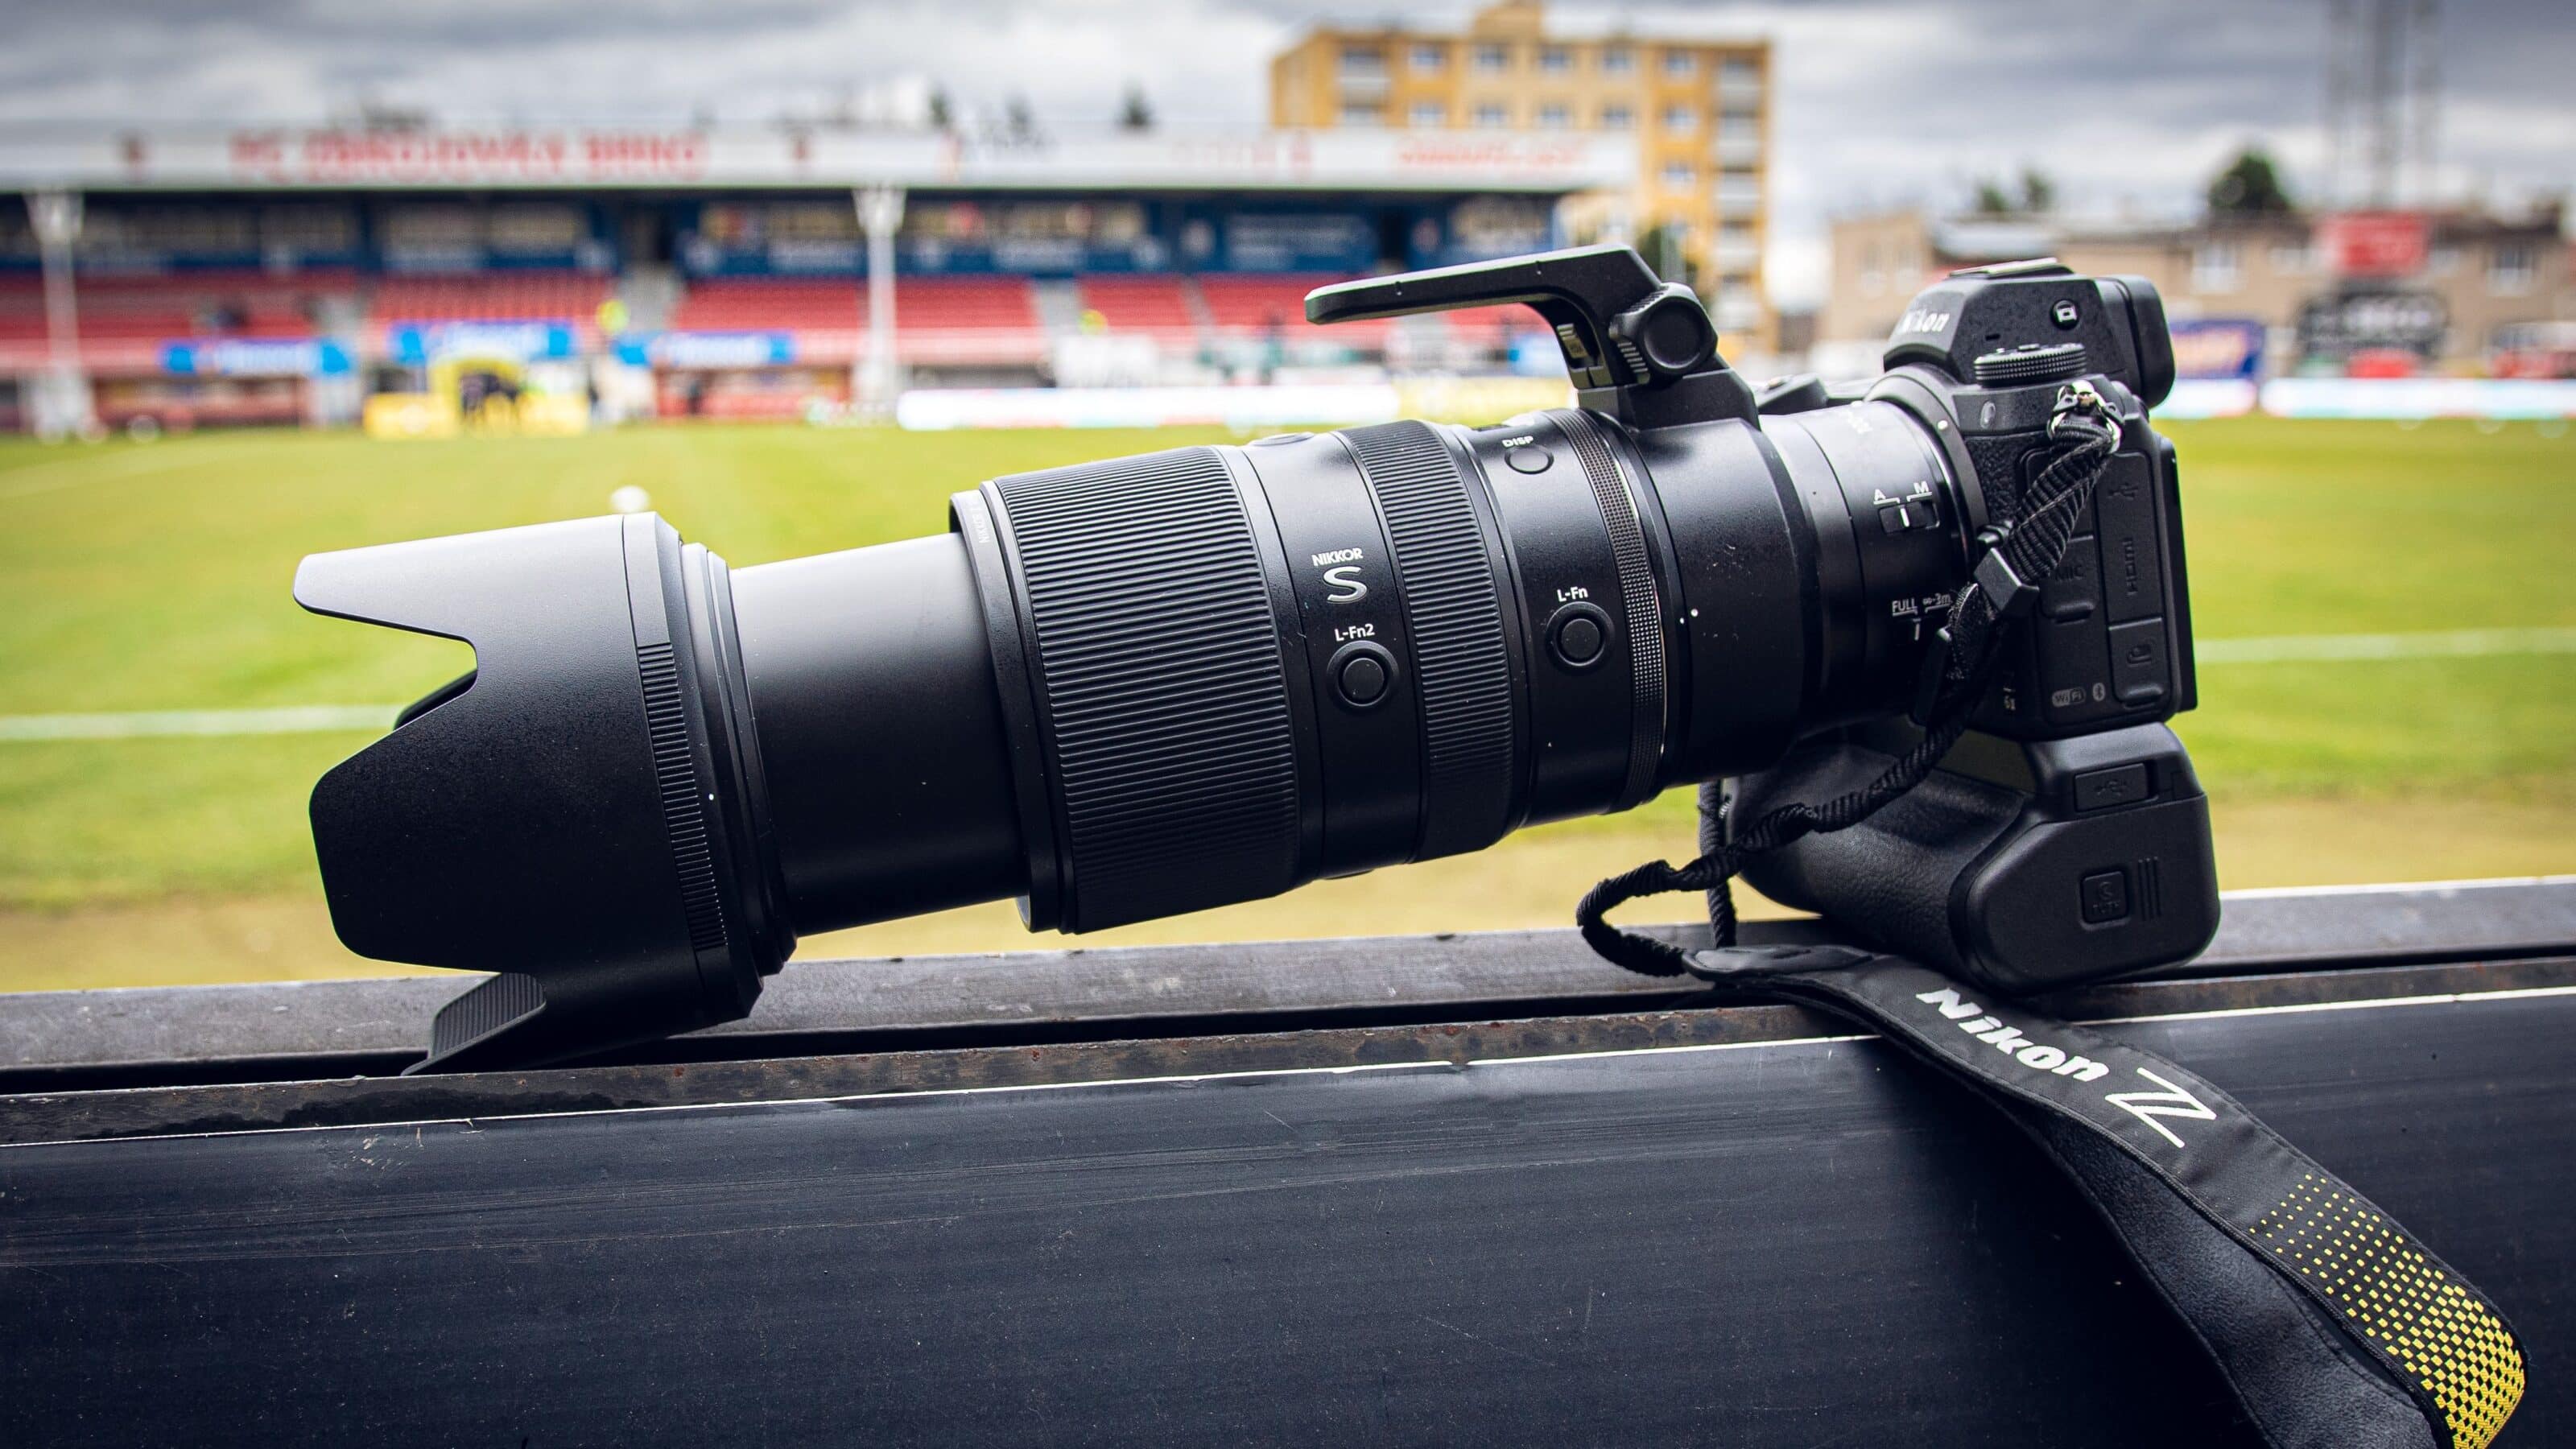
point(1160, 683)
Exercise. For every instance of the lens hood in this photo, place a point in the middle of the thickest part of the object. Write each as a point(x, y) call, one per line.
point(579, 814)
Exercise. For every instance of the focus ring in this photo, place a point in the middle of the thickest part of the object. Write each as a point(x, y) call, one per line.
point(1643, 612)
point(1460, 659)
point(1163, 700)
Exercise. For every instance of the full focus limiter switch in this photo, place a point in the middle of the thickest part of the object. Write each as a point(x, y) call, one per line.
point(1362, 673)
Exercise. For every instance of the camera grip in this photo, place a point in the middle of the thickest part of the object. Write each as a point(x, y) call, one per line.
point(2024, 867)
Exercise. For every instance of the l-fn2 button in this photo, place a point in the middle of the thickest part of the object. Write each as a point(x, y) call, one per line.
point(1361, 674)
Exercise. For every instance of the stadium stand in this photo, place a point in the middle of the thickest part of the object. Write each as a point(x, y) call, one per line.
point(1156, 306)
point(343, 266)
point(1256, 306)
point(1491, 326)
point(491, 296)
point(193, 304)
point(950, 320)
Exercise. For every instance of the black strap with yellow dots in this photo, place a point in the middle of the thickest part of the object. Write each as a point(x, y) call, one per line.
point(2334, 1326)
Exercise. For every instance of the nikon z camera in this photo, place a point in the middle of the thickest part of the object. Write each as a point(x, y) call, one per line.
point(1166, 682)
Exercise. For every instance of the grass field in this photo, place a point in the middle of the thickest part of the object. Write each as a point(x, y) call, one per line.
point(154, 577)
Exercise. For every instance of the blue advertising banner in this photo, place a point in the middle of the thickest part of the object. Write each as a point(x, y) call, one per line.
point(710, 350)
point(419, 343)
point(2229, 348)
point(256, 357)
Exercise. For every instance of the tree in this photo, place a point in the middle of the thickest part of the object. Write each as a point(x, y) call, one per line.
point(941, 116)
point(2250, 186)
point(1135, 113)
point(1992, 199)
point(1662, 248)
point(1018, 121)
point(2038, 191)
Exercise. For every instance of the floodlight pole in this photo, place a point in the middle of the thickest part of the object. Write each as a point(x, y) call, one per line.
point(62, 405)
point(879, 375)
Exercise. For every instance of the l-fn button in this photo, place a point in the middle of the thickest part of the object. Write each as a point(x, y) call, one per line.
point(1578, 635)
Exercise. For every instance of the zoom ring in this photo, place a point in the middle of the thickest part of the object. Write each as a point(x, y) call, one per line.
point(1456, 620)
point(1642, 605)
point(1163, 696)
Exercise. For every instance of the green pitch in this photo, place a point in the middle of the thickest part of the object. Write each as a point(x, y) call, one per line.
point(154, 577)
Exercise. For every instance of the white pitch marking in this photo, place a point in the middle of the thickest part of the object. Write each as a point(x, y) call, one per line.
point(2430, 644)
point(294, 720)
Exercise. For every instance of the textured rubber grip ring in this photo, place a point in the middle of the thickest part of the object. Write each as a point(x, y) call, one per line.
point(1163, 698)
point(1452, 610)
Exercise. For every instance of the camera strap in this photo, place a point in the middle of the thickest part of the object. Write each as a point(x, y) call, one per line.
point(2332, 1324)
point(2334, 1327)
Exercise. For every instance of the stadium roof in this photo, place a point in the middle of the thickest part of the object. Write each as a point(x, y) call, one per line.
point(560, 157)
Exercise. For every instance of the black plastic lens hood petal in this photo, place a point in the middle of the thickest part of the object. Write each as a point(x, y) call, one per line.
point(569, 818)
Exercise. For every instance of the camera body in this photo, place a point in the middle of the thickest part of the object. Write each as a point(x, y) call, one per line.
point(2067, 838)
point(1155, 684)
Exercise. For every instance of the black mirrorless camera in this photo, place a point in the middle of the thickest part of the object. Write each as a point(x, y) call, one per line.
point(1167, 682)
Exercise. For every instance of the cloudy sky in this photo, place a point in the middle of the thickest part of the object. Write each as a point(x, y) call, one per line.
point(2129, 106)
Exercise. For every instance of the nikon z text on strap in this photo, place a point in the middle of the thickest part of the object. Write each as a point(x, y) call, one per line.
point(2335, 1327)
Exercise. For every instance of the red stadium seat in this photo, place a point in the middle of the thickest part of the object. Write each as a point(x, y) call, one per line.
point(1254, 306)
point(129, 310)
point(499, 296)
point(937, 319)
point(1157, 306)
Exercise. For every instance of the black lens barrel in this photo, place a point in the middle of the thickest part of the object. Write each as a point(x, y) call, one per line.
point(1118, 691)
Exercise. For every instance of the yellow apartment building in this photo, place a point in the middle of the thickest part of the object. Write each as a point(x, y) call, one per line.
point(1700, 111)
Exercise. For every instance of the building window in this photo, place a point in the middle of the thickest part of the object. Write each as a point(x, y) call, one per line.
point(1493, 59)
point(1362, 60)
point(1618, 60)
point(1680, 175)
point(2443, 261)
point(1552, 117)
point(1354, 114)
point(1618, 118)
point(1492, 118)
point(1430, 59)
point(2293, 261)
point(1681, 118)
point(1740, 125)
point(1555, 59)
point(1739, 70)
point(2215, 267)
point(2512, 268)
point(1680, 64)
point(1430, 115)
